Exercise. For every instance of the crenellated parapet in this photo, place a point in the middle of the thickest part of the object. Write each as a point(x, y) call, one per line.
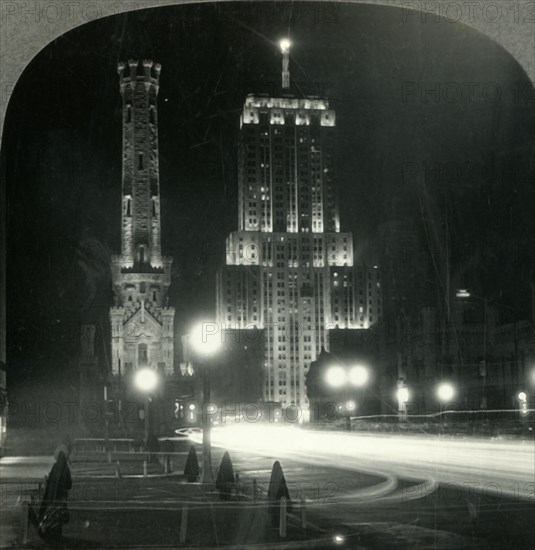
point(146, 72)
point(290, 111)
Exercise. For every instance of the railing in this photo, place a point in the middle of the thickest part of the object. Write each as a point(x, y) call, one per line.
point(16, 492)
point(82, 445)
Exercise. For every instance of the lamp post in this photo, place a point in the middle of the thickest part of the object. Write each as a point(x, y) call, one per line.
point(339, 377)
point(403, 398)
point(146, 380)
point(205, 342)
point(523, 404)
point(106, 424)
point(445, 393)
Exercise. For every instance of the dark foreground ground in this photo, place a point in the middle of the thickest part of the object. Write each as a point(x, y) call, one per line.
point(342, 509)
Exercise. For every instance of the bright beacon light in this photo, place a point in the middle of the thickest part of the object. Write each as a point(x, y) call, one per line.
point(285, 45)
point(145, 379)
point(335, 377)
point(358, 376)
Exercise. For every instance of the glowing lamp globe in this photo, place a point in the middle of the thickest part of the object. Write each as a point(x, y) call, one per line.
point(205, 338)
point(445, 392)
point(146, 379)
point(403, 394)
point(335, 377)
point(522, 396)
point(358, 376)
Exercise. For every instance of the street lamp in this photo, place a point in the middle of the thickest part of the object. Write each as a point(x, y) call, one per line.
point(146, 381)
point(523, 400)
point(339, 377)
point(336, 377)
point(445, 393)
point(358, 376)
point(403, 398)
point(205, 341)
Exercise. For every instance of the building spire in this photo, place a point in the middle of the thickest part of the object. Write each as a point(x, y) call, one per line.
point(285, 49)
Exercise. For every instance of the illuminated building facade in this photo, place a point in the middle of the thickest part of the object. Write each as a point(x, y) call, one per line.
point(141, 322)
point(289, 269)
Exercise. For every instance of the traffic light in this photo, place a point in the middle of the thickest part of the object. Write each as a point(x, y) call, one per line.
point(192, 412)
point(185, 410)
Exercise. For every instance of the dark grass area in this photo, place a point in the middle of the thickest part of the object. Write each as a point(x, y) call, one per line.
point(148, 513)
point(450, 517)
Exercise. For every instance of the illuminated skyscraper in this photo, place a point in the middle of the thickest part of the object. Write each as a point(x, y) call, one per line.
point(289, 270)
point(142, 324)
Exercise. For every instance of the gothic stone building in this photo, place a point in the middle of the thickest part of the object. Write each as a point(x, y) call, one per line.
point(141, 321)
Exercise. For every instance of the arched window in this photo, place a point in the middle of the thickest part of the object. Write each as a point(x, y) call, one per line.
point(142, 355)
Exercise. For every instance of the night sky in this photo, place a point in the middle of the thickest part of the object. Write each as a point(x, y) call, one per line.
point(61, 154)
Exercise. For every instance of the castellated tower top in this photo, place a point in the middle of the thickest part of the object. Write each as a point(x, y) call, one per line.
point(146, 72)
point(141, 234)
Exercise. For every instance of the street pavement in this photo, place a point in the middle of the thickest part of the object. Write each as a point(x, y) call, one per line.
point(498, 467)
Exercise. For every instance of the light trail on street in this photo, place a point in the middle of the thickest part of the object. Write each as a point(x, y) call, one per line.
point(502, 468)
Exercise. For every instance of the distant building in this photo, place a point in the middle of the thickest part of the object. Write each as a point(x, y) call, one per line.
point(405, 271)
point(289, 269)
point(488, 363)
